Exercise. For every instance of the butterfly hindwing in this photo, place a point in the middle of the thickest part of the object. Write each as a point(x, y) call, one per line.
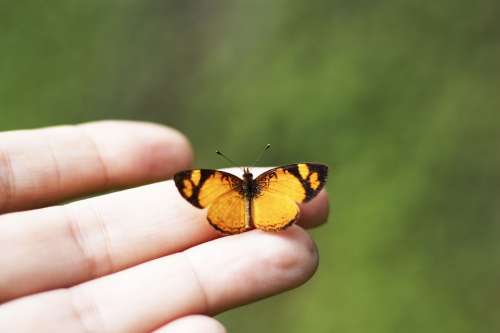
point(201, 187)
point(229, 213)
point(301, 181)
point(274, 211)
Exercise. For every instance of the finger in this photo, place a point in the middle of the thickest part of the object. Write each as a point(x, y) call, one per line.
point(206, 279)
point(60, 246)
point(193, 324)
point(43, 166)
point(315, 212)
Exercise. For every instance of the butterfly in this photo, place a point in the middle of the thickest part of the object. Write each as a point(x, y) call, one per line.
point(268, 202)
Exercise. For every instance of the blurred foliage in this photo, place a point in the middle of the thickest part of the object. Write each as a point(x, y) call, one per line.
point(400, 98)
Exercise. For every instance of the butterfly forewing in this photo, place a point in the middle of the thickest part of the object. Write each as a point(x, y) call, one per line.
point(201, 187)
point(301, 181)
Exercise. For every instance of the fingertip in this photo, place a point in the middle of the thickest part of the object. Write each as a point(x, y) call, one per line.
point(135, 151)
point(294, 254)
point(193, 324)
point(253, 265)
point(282, 260)
point(169, 151)
point(315, 212)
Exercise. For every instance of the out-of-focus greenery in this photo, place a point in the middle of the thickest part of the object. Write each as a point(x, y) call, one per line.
point(400, 98)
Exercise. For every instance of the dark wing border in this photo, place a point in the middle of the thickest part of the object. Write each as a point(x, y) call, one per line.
point(204, 175)
point(320, 169)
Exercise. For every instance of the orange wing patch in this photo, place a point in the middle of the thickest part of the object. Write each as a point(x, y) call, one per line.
point(187, 188)
point(303, 170)
point(229, 213)
point(314, 181)
point(195, 177)
point(201, 187)
point(274, 211)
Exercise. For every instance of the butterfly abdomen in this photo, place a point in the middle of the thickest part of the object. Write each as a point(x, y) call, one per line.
point(249, 191)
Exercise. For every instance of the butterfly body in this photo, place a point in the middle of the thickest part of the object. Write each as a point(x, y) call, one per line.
point(249, 188)
point(268, 202)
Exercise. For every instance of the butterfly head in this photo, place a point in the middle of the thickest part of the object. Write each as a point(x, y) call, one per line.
point(247, 175)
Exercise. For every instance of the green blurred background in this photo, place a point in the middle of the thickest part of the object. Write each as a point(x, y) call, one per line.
point(400, 98)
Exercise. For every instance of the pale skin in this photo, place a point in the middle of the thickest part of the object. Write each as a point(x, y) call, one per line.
point(136, 260)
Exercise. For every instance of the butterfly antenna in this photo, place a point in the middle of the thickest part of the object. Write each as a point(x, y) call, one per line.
point(218, 152)
point(262, 153)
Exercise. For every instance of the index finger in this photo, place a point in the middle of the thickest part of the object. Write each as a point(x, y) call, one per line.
point(44, 166)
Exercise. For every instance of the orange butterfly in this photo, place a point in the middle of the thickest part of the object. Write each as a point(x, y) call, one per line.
point(268, 202)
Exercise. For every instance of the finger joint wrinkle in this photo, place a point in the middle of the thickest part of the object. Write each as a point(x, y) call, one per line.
point(78, 238)
point(84, 310)
point(206, 308)
point(98, 155)
point(7, 181)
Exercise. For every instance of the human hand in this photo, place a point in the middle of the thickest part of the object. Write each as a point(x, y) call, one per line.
point(136, 260)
